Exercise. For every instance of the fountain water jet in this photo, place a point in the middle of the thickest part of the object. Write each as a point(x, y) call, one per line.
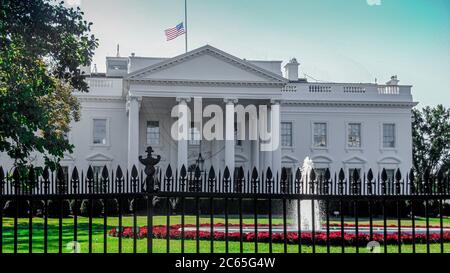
point(307, 221)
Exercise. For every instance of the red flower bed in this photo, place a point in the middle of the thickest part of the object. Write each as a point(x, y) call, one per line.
point(389, 226)
point(335, 238)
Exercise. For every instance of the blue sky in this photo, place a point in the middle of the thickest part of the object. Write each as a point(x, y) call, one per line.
point(334, 40)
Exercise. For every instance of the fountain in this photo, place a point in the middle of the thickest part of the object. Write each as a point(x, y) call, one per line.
point(307, 221)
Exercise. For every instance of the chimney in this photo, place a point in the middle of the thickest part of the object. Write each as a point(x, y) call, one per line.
point(291, 70)
point(394, 81)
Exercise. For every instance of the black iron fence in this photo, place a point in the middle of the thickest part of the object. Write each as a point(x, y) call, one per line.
point(210, 211)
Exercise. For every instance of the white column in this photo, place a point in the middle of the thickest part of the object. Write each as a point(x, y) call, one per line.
point(133, 104)
point(229, 133)
point(268, 154)
point(276, 136)
point(183, 131)
point(255, 143)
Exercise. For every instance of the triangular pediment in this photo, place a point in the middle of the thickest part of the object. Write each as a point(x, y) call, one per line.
point(389, 160)
point(99, 157)
point(206, 64)
point(287, 159)
point(355, 160)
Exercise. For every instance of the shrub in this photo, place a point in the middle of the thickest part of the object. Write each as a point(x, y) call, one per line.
point(38, 208)
point(75, 206)
point(10, 210)
point(58, 208)
point(138, 205)
point(112, 207)
point(95, 208)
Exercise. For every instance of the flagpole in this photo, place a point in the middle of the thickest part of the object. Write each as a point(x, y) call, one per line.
point(185, 26)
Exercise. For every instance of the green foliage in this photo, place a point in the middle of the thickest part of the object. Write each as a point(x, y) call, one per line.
point(431, 139)
point(43, 45)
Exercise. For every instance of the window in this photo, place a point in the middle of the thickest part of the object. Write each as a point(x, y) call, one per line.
point(389, 135)
point(354, 135)
point(237, 136)
point(351, 171)
point(194, 135)
point(320, 135)
point(286, 134)
point(153, 132)
point(99, 136)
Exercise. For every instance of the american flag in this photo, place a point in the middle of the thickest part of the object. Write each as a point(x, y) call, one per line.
point(174, 32)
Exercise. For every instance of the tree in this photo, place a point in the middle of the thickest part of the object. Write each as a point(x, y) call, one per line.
point(43, 44)
point(431, 139)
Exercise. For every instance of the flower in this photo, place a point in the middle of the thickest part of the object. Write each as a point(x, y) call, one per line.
point(305, 238)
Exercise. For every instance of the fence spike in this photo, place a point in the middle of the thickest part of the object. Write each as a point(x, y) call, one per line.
point(254, 173)
point(75, 174)
point(212, 173)
point(398, 175)
point(269, 174)
point(298, 174)
point(384, 176)
point(241, 173)
point(312, 175)
point(183, 171)
point(197, 172)
point(46, 173)
point(327, 174)
point(105, 172)
point(370, 175)
point(226, 173)
point(169, 172)
point(119, 172)
point(90, 173)
point(341, 175)
point(134, 171)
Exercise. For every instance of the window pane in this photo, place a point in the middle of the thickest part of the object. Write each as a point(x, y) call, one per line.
point(153, 132)
point(354, 135)
point(320, 134)
point(286, 134)
point(389, 135)
point(99, 131)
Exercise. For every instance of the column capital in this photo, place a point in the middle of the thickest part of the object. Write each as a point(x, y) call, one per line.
point(183, 99)
point(230, 100)
point(275, 101)
point(131, 98)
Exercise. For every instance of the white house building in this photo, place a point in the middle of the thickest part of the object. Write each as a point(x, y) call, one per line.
point(338, 125)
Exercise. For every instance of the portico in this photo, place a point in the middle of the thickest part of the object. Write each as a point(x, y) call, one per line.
point(152, 93)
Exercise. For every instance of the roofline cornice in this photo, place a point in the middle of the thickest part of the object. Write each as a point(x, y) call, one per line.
point(396, 104)
point(181, 82)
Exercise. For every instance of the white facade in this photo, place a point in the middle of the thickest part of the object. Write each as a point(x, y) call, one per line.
point(339, 125)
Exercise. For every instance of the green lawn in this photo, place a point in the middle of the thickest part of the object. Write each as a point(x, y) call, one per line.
point(160, 244)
